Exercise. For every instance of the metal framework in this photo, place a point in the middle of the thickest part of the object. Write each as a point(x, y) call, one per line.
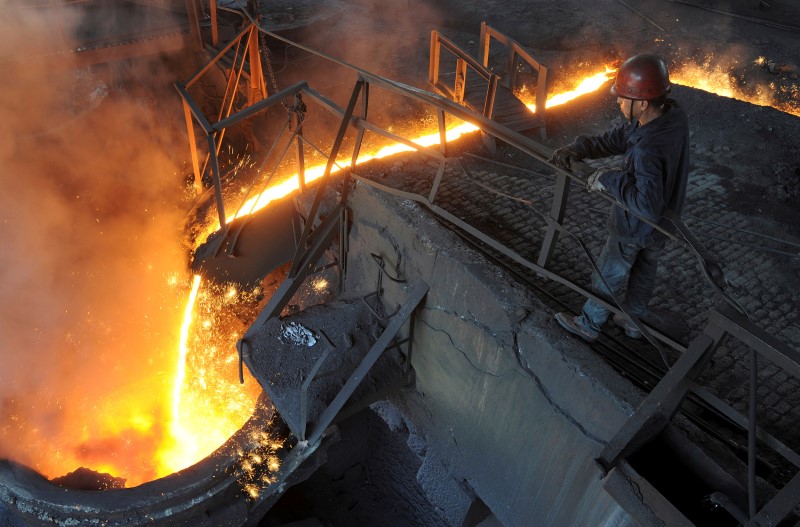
point(240, 55)
point(667, 396)
point(497, 101)
point(463, 59)
point(515, 53)
point(661, 404)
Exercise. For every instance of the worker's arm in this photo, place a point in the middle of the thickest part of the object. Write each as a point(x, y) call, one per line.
point(610, 143)
point(641, 190)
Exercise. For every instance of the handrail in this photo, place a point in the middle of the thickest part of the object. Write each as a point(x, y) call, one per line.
point(488, 32)
point(515, 139)
point(737, 323)
point(664, 400)
point(517, 51)
point(463, 59)
point(442, 41)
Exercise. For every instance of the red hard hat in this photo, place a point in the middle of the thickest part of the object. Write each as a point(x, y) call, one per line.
point(642, 77)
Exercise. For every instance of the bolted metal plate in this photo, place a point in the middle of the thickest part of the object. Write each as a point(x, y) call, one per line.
point(251, 247)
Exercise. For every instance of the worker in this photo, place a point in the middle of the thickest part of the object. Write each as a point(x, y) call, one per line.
point(654, 142)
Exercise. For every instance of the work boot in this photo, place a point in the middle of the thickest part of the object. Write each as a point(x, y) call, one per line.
point(571, 324)
point(630, 328)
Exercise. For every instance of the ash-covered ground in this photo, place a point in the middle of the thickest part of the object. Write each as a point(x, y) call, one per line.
point(745, 164)
point(745, 158)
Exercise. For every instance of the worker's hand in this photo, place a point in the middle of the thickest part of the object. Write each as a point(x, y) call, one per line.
point(564, 156)
point(593, 183)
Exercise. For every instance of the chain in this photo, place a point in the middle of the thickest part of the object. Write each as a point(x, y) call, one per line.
point(299, 107)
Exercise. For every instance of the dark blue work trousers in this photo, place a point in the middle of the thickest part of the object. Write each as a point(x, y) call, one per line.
point(619, 261)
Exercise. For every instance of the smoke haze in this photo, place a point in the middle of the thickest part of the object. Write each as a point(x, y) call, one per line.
point(91, 208)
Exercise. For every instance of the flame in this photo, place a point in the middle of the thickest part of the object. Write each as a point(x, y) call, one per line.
point(719, 80)
point(176, 417)
point(207, 405)
point(586, 85)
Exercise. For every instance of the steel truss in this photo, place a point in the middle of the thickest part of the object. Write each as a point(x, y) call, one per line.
point(657, 409)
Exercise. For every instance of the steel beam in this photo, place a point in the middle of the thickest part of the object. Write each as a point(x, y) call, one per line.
point(337, 144)
point(322, 238)
point(272, 100)
point(780, 506)
point(661, 404)
point(415, 296)
point(555, 220)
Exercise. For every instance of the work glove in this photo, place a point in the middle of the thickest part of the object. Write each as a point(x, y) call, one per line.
point(564, 156)
point(593, 183)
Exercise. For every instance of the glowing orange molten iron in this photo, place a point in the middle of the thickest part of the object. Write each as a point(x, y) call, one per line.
point(193, 404)
point(203, 404)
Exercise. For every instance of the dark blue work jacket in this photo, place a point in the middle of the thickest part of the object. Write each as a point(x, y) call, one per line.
point(654, 176)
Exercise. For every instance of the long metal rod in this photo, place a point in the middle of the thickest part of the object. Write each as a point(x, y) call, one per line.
point(738, 419)
point(361, 123)
point(337, 144)
point(306, 383)
point(197, 113)
point(448, 44)
point(214, 24)
point(217, 57)
point(187, 112)
point(212, 149)
point(781, 505)
point(253, 109)
point(767, 345)
point(751, 436)
point(755, 20)
point(556, 218)
point(643, 16)
point(230, 84)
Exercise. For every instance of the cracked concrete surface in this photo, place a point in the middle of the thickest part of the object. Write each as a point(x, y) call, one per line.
point(477, 343)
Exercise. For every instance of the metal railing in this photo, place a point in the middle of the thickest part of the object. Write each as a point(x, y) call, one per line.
point(664, 400)
point(515, 53)
point(456, 92)
point(245, 53)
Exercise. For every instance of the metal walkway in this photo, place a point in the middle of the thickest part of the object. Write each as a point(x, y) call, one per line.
point(542, 223)
point(476, 86)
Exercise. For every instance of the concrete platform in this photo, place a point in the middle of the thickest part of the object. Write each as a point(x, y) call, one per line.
point(316, 351)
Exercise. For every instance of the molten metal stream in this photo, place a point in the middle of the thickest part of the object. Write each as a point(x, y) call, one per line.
point(207, 404)
point(182, 350)
point(185, 450)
